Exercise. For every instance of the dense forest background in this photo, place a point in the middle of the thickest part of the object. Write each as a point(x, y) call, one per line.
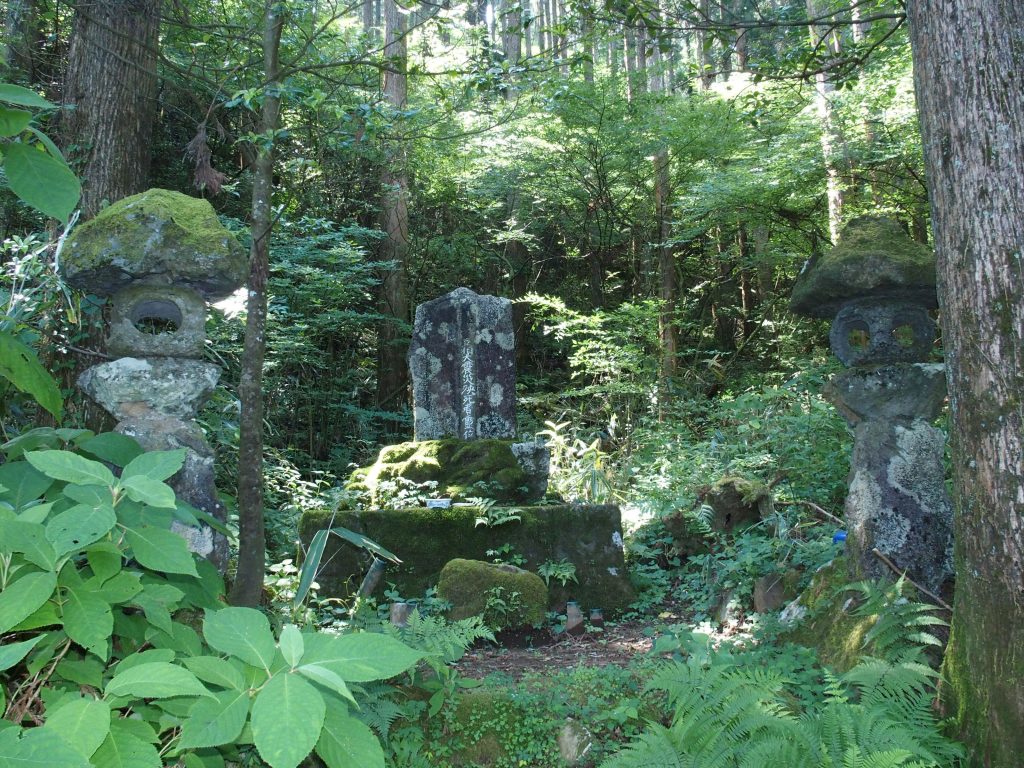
point(644, 179)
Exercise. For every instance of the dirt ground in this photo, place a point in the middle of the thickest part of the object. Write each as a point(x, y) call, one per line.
point(617, 645)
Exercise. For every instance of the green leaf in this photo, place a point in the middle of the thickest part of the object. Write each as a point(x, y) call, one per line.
point(347, 743)
point(19, 364)
point(363, 542)
point(148, 491)
point(156, 465)
point(13, 121)
point(71, 468)
point(241, 632)
point(42, 181)
point(78, 527)
point(13, 653)
point(161, 550)
point(24, 597)
point(287, 717)
point(35, 513)
point(291, 644)
point(105, 560)
point(155, 611)
point(83, 723)
point(124, 749)
point(30, 540)
point(310, 565)
point(113, 447)
point(361, 657)
point(15, 94)
point(88, 620)
point(23, 483)
point(324, 676)
point(119, 588)
point(90, 495)
point(215, 721)
point(39, 748)
point(215, 671)
point(156, 680)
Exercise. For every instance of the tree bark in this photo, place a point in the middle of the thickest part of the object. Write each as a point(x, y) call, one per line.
point(110, 88)
point(392, 345)
point(826, 40)
point(247, 588)
point(969, 80)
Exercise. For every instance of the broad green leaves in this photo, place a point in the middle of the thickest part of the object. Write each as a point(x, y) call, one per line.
point(161, 550)
point(241, 632)
point(359, 658)
point(14, 652)
point(287, 718)
point(347, 743)
point(41, 180)
point(71, 468)
point(83, 723)
point(157, 679)
point(215, 721)
point(35, 169)
point(79, 527)
point(24, 597)
point(38, 748)
point(20, 366)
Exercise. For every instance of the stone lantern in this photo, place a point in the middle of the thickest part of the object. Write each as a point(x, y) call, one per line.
point(878, 286)
point(160, 256)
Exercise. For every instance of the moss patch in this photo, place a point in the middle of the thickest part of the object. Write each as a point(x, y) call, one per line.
point(158, 235)
point(830, 626)
point(588, 536)
point(469, 584)
point(461, 469)
point(494, 729)
point(874, 256)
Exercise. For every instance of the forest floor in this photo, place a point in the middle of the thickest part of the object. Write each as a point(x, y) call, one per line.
point(614, 645)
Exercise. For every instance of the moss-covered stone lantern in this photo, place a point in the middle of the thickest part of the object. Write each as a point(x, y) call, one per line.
point(878, 286)
point(160, 256)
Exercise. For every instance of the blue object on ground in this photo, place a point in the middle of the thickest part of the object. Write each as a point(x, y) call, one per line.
point(839, 537)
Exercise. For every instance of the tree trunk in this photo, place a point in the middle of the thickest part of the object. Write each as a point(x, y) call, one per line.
point(969, 80)
point(704, 45)
point(392, 345)
point(247, 588)
point(111, 88)
point(23, 38)
point(832, 145)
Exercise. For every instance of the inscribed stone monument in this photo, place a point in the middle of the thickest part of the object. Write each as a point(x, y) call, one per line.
point(462, 360)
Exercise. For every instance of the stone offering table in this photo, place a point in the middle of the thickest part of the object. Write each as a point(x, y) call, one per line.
point(878, 285)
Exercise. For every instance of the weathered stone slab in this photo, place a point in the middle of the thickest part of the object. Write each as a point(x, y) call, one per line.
point(165, 385)
point(462, 360)
point(588, 536)
point(902, 391)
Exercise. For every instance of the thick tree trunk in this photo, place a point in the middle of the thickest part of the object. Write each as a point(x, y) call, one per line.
point(248, 585)
point(969, 79)
point(111, 88)
point(392, 344)
point(826, 41)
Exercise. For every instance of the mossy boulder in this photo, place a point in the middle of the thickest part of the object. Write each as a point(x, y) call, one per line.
point(470, 584)
point(588, 536)
point(874, 257)
point(456, 469)
point(159, 237)
point(738, 502)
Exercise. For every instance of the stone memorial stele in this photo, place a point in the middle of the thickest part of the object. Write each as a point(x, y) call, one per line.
point(462, 364)
point(878, 285)
point(462, 361)
point(160, 256)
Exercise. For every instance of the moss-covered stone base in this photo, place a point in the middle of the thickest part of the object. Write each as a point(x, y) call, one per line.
point(829, 625)
point(588, 536)
point(459, 469)
point(469, 585)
